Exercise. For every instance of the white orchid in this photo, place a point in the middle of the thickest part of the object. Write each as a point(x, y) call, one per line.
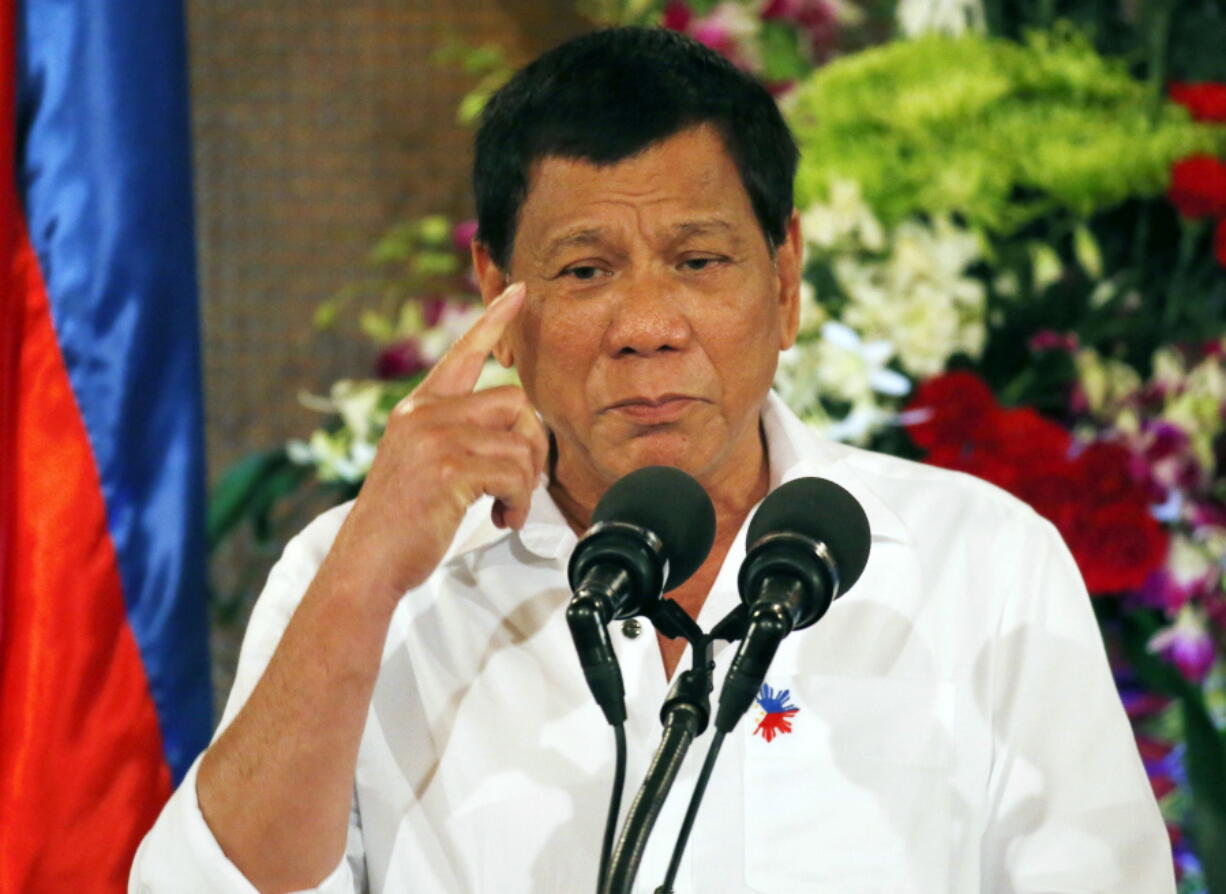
point(454, 320)
point(840, 366)
point(919, 297)
point(844, 220)
point(916, 17)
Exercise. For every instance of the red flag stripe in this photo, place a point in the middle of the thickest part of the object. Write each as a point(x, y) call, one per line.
point(82, 774)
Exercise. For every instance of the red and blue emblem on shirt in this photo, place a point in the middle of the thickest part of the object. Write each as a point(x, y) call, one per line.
point(778, 716)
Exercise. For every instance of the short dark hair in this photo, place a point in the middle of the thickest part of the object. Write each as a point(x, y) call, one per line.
point(610, 94)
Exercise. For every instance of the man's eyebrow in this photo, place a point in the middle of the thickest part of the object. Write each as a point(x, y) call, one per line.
point(587, 235)
point(702, 227)
point(571, 238)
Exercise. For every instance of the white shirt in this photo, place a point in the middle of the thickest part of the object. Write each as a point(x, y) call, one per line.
point(957, 727)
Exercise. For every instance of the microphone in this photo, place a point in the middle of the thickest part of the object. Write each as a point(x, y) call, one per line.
point(651, 530)
point(808, 544)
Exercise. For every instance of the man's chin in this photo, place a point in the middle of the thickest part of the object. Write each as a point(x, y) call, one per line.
point(657, 447)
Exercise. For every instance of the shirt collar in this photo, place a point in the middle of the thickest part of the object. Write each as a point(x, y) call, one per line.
point(794, 452)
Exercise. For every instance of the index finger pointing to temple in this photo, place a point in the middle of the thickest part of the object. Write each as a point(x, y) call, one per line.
point(458, 370)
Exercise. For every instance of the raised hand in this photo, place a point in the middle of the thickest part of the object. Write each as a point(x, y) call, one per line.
point(445, 446)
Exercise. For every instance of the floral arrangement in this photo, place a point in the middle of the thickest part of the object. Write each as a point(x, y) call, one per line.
point(1016, 268)
point(1050, 320)
point(1000, 132)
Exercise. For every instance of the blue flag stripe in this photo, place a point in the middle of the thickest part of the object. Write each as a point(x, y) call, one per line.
point(105, 175)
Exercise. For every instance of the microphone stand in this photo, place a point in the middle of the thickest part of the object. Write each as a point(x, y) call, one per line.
point(685, 715)
point(732, 628)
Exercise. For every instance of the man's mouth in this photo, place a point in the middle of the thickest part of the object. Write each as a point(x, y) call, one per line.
point(653, 410)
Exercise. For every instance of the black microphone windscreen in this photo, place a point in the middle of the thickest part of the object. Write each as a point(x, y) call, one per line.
point(820, 510)
point(670, 504)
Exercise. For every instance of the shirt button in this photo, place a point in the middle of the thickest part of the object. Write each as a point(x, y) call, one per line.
point(631, 628)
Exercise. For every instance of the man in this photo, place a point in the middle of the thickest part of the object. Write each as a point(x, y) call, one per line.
point(408, 713)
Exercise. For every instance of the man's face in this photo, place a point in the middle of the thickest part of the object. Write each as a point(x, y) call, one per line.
point(655, 311)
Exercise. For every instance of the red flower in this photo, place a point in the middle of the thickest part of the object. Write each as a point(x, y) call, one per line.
point(956, 418)
point(1051, 340)
point(1198, 186)
point(779, 9)
point(951, 410)
point(1206, 101)
point(401, 360)
point(677, 16)
point(1117, 546)
point(1053, 489)
point(1025, 435)
point(978, 461)
point(462, 235)
point(1162, 786)
point(1140, 705)
point(1219, 242)
point(1105, 470)
point(1151, 749)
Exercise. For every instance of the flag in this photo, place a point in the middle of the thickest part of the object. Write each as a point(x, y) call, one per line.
point(104, 688)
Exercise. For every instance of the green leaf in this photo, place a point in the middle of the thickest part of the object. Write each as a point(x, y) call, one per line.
point(471, 105)
point(377, 327)
point(435, 230)
point(783, 59)
point(435, 263)
point(1045, 266)
point(1085, 247)
point(1205, 760)
point(395, 245)
point(328, 312)
point(233, 497)
point(483, 59)
point(274, 487)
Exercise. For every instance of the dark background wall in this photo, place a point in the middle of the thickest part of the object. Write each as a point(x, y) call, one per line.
point(317, 125)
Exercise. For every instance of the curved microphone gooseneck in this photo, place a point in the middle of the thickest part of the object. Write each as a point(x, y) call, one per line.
point(650, 531)
point(808, 544)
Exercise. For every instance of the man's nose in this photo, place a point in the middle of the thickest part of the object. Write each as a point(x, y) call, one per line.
point(649, 318)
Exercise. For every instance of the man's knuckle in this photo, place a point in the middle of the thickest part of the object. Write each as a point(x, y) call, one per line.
point(448, 467)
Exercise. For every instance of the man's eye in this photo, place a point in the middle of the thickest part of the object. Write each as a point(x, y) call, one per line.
point(582, 272)
point(699, 264)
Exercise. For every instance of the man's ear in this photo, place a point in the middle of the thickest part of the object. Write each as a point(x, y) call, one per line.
point(492, 281)
point(789, 263)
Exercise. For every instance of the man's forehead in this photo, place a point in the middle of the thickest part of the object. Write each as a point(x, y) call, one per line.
point(680, 187)
point(591, 233)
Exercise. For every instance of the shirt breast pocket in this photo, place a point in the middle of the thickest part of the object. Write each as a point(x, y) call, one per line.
point(855, 798)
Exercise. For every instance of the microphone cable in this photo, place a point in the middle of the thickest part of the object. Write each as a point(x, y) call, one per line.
point(615, 803)
point(691, 812)
point(806, 545)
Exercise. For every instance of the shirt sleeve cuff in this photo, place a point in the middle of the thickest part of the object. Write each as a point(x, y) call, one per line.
point(180, 855)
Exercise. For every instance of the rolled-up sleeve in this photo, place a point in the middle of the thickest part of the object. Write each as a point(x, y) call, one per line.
point(180, 854)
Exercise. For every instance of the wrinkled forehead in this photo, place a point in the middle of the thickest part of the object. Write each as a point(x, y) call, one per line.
point(687, 185)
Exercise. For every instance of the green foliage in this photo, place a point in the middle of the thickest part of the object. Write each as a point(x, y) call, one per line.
point(998, 132)
point(248, 490)
point(1160, 39)
point(488, 63)
point(620, 12)
point(783, 58)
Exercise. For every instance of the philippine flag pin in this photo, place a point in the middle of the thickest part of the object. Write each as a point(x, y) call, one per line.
point(778, 712)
